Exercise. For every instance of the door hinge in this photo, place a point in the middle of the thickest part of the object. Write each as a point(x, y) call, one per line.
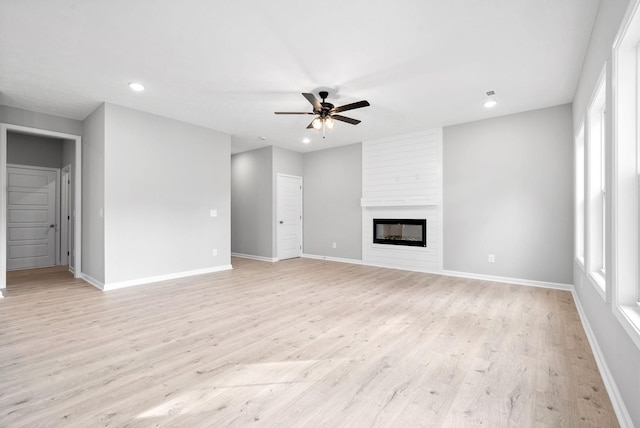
point(67, 253)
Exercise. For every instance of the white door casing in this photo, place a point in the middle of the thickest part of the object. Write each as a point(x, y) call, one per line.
point(289, 216)
point(5, 128)
point(65, 216)
point(32, 217)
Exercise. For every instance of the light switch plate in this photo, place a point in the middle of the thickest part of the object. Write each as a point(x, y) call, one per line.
point(213, 213)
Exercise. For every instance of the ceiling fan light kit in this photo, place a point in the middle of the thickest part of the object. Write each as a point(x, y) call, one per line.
point(326, 112)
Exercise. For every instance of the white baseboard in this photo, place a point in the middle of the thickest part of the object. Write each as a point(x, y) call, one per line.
point(148, 280)
point(614, 394)
point(91, 280)
point(252, 257)
point(332, 259)
point(117, 285)
point(380, 265)
point(517, 281)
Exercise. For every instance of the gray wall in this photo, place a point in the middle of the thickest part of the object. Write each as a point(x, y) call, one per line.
point(68, 153)
point(93, 184)
point(508, 191)
point(332, 212)
point(252, 202)
point(16, 116)
point(23, 149)
point(621, 354)
point(162, 178)
point(254, 198)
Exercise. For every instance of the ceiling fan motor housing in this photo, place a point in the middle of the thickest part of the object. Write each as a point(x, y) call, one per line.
point(326, 107)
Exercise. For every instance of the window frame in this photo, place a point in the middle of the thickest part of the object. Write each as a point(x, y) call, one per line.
point(596, 185)
point(626, 173)
point(580, 181)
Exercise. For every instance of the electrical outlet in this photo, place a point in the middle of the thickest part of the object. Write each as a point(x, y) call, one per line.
point(334, 245)
point(492, 258)
point(214, 252)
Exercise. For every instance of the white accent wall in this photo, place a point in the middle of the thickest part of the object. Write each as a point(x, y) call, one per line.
point(402, 178)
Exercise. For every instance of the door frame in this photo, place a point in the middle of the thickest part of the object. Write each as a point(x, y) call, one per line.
point(65, 178)
point(278, 213)
point(5, 128)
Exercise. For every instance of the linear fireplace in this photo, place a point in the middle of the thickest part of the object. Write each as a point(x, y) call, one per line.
point(394, 231)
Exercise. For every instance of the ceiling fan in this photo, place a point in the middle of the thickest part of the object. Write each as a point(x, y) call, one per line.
point(326, 112)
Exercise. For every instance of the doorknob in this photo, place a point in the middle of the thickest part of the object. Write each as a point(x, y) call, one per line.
point(281, 222)
point(52, 225)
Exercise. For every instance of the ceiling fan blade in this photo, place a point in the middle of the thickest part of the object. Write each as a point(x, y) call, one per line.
point(311, 125)
point(292, 112)
point(345, 119)
point(351, 106)
point(314, 101)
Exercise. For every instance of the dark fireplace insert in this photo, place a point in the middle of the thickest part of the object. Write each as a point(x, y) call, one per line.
point(395, 231)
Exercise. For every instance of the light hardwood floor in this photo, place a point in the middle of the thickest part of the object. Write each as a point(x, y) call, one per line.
point(296, 343)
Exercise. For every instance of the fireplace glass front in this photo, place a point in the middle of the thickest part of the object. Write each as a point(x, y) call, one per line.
point(410, 232)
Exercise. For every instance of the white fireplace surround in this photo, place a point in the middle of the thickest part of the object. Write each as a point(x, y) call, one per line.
point(402, 178)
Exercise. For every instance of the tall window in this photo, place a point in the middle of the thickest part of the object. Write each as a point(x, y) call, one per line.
point(597, 186)
point(579, 196)
point(625, 192)
point(603, 190)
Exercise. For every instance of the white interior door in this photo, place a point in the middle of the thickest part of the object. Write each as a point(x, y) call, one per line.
point(31, 217)
point(289, 216)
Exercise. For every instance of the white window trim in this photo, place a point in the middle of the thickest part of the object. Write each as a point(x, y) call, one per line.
point(595, 229)
point(579, 201)
point(625, 189)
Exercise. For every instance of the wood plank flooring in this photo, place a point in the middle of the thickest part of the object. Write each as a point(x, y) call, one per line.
point(298, 343)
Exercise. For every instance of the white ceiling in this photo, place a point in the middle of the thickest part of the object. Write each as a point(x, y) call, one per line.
point(229, 65)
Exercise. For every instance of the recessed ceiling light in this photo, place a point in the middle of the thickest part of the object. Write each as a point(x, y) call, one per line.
point(490, 103)
point(491, 100)
point(263, 138)
point(135, 86)
point(306, 140)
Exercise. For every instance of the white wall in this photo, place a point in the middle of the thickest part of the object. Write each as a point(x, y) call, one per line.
point(617, 349)
point(162, 178)
point(68, 158)
point(508, 192)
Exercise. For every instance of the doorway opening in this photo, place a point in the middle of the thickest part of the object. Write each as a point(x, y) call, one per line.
point(74, 193)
